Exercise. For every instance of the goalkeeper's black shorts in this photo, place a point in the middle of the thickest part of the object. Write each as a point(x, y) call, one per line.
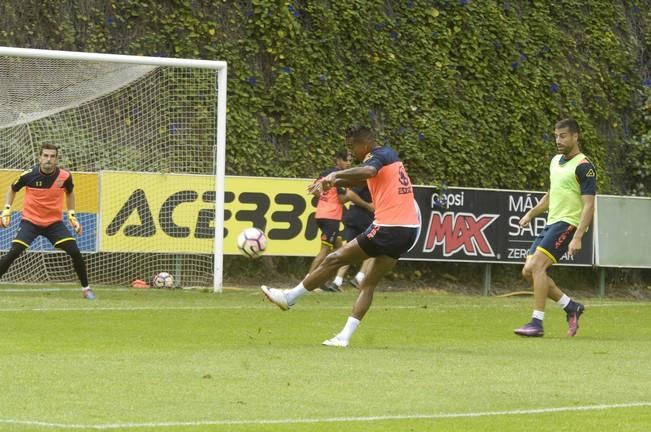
point(56, 233)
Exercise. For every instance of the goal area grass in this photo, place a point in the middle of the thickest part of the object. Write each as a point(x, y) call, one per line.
point(182, 360)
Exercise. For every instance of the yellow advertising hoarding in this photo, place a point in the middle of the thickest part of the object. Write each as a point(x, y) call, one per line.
point(175, 213)
point(145, 212)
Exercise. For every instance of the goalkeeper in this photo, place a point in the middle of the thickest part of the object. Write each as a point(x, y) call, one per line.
point(45, 184)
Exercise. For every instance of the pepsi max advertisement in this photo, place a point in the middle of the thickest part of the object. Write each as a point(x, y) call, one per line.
point(481, 225)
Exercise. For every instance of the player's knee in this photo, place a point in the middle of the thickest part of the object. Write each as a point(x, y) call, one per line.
point(534, 267)
point(526, 272)
point(536, 270)
point(333, 260)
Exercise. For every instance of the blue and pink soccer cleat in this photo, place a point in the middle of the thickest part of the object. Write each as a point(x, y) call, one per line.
point(573, 319)
point(530, 330)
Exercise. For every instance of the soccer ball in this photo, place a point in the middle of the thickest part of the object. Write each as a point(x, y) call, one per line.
point(163, 280)
point(252, 242)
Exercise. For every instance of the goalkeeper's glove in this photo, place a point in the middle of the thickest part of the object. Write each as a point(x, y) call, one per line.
point(5, 218)
point(74, 223)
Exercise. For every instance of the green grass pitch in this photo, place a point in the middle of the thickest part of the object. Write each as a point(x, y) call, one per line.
point(161, 360)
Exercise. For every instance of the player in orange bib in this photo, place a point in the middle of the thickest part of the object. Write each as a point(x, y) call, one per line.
point(45, 186)
point(393, 232)
point(329, 210)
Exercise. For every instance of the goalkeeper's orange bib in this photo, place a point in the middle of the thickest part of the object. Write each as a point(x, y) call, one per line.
point(44, 205)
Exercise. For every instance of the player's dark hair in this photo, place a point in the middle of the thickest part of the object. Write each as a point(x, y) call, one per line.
point(342, 155)
point(49, 146)
point(569, 123)
point(357, 132)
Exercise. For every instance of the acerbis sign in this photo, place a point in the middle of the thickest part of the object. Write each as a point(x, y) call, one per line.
point(175, 213)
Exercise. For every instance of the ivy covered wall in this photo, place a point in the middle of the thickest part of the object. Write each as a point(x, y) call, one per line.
point(466, 90)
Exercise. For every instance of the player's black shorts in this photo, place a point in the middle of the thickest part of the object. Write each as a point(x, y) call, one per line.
point(352, 231)
point(56, 233)
point(554, 240)
point(355, 222)
point(387, 240)
point(329, 231)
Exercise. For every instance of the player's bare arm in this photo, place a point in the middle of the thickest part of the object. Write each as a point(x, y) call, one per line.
point(70, 200)
point(342, 195)
point(344, 178)
point(312, 188)
point(355, 199)
point(540, 208)
point(586, 217)
point(10, 196)
point(5, 217)
point(72, 218)
point(351, 176)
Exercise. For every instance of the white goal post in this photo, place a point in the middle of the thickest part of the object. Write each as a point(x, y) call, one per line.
point(145, 140)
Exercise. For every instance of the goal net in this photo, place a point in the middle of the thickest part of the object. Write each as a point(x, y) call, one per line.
point(144, 139)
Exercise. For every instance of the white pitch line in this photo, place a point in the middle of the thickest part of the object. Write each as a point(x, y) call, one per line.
point(95, 307)
point(41, 290)
point(291, 421)
point(459, 305)
point(136, 308)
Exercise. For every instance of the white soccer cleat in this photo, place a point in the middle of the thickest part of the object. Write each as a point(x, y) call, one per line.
point(335, 342)
point(276, 296)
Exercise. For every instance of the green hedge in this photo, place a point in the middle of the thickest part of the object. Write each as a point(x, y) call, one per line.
point(466, 90)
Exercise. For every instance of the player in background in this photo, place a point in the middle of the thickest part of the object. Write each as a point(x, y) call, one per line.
point(329, 211)
point(45, 186)
point(393, 232)
point(356, 219)
point(570, 201)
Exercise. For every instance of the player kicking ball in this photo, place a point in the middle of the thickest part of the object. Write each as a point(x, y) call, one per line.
point(45, 185)
point(392, 233)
